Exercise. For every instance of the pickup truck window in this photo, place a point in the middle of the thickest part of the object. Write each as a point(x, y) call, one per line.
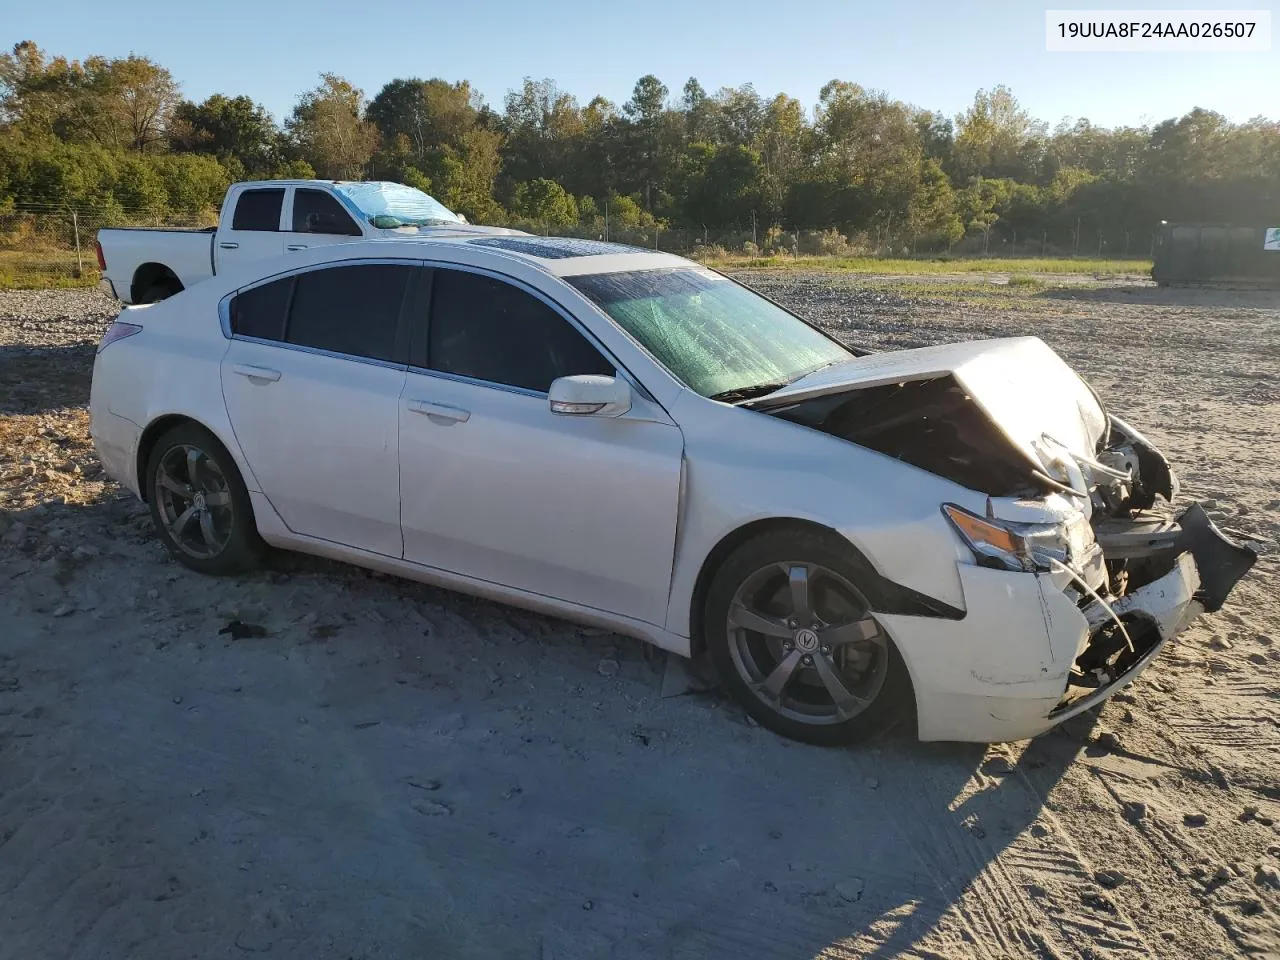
point(258, 210)
point(350, 309)
point(260, 312)
point(315, 211)
point(490, 330)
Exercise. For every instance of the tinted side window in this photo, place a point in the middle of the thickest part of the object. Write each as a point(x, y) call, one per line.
point(315, 211)
point(258, 210)
point(260, 312)
point(351, 309)
point(484, 328)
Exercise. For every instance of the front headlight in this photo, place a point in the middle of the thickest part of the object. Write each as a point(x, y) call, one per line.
point(1015, 546)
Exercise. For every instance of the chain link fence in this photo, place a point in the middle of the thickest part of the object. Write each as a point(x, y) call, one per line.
point(45, 245)
point(48, 245)
point(1000, 240)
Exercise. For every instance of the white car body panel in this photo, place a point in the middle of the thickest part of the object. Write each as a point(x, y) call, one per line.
point(299, 429)
point(613, 520)
point(746, 467)
point(518, 495)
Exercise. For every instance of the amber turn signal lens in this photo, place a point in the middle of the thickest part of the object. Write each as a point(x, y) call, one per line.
point(979, 531)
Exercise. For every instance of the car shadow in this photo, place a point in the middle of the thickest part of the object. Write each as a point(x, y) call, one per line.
point(746, 844)
point(41, 379)
point(959, 809)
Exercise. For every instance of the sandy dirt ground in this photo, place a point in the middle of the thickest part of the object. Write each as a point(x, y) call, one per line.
point(385, 770)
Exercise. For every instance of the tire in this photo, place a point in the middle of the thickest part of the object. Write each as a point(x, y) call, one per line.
point(836, 673)
point(207, 525)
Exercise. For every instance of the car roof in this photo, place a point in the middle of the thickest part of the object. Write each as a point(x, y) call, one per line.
point(559, 256)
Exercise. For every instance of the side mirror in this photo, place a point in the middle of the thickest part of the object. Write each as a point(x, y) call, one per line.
point(590, 395)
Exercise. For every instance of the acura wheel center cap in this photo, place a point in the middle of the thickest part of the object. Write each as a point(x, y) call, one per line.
point(198, 501)
point(806, 641)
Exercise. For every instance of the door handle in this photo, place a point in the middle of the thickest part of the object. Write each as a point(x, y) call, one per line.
point(226, 245)
point(256, 374)
point(296, 246)
point(440, 411)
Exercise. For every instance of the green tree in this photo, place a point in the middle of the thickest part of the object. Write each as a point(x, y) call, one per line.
point(133, 100)
point(545, 202)
point(545, 134)
point(992, 137)
point(428, 114)
point(229, 128)
point(932, 216)
point(329, 131)
point(193, 184)
point(739, 115)
point(699, 113)
point(643, 138)
point(723, 185)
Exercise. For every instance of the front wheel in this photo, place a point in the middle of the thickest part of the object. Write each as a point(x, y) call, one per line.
point(794, 641)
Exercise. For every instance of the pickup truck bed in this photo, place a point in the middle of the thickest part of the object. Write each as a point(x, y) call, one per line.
point(153, 269)
point(263, 220)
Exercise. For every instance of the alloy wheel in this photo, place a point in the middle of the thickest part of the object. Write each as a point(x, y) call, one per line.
point(194, 501)
point(803, 639)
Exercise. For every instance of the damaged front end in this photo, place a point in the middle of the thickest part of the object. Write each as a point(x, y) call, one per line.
point(1074, 496)
point(1162, 573)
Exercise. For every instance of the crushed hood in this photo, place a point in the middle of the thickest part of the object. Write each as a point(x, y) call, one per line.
point(1021, 385)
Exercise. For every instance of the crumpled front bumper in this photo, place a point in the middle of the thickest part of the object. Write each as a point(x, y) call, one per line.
point(1003, 672)
point(1207, 566)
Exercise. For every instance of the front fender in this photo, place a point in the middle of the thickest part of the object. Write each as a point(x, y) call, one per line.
point(744, 467)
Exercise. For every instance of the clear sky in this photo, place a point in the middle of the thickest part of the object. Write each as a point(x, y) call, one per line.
point(932, 53)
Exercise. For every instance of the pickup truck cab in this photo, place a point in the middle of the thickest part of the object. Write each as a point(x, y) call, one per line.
point(264, 219)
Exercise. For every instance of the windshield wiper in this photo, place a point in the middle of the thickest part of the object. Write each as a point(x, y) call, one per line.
point(739, 394)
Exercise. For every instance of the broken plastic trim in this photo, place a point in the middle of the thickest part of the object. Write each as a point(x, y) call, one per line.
point(1220, 560)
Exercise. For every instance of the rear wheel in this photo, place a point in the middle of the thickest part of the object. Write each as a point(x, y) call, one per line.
point(793, 639)
point(199, 503)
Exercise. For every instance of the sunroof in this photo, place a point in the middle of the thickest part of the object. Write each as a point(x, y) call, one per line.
point(554, 248)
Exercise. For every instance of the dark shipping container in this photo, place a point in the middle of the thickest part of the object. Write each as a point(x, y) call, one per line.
point(1216, 253)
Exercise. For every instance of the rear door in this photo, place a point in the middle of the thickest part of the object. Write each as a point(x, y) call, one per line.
point(312, 382)
point(251, 230)
point(316, 218)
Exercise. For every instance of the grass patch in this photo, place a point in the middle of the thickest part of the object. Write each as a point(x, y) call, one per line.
point(913, 267)
point(45, 269)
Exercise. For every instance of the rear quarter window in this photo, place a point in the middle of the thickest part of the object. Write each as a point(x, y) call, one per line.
point(260, 312)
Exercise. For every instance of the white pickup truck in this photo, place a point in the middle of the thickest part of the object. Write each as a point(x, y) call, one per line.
point(264, 219)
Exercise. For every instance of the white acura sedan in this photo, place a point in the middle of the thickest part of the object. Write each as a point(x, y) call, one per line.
point(960, 535)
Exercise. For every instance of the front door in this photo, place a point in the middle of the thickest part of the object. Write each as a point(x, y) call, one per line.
point(317, 219)
point(312, 387)
point(497, 487)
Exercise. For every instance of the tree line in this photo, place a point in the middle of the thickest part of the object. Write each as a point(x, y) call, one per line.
point(116, 135)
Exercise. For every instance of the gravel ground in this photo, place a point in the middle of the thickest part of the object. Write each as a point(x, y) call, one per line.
point(386, 770)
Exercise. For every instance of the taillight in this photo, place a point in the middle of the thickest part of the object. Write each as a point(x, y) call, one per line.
point(118, 331)
point(102, 261)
